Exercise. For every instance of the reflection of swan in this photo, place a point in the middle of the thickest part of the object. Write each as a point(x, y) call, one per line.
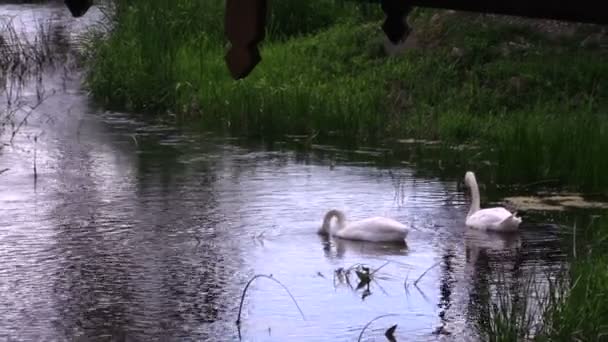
point(496, 219)
point(477, 242)
point(339, 248)
point(374, 229)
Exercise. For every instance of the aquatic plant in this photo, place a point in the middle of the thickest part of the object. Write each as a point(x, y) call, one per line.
point(23, 60)
point(571, 306)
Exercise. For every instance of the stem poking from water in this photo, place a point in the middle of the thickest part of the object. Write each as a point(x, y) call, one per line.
point(378, 269)
point(574, 241)
point(425, 272)
point(238, 319)
point(35, 169)
point(372, 321)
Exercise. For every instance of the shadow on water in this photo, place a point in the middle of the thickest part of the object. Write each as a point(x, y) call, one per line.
point(139, 231)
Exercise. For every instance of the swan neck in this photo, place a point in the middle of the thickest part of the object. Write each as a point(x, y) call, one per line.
point(327, 220)
point(475, 197)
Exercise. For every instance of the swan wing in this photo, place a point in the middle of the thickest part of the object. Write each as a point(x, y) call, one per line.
point(376, 229)
point(492, 219)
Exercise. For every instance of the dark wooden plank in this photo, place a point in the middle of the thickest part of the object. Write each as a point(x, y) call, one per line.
point(78, 8)
point(395, 27)
point(585, 11)
point(245, 24)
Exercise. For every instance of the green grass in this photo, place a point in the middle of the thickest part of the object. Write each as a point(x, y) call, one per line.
point(570, 307)
point(539, 103)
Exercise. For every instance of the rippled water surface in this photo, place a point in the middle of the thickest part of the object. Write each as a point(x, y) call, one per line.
point(146, 232)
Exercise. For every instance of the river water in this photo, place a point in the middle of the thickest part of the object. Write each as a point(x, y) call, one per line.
point(133, 230)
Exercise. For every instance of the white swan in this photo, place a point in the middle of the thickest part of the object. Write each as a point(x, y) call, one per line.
point(374, 229)
point(494, 219)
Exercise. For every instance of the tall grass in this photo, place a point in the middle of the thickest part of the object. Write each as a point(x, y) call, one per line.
point(538, 103)
point(570, 307)
point(23, 60)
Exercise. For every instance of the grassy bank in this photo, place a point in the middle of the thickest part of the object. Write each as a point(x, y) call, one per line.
point(538, 101)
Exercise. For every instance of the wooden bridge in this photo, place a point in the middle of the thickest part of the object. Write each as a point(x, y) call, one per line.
point(245, 20)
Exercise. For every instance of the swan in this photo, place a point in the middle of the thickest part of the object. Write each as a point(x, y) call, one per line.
point(373, 229)
point(493, 219)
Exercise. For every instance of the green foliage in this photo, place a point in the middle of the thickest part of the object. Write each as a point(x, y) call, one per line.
point(573, 307)
point(538, 102)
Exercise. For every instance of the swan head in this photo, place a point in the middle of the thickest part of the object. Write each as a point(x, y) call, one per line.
point(469, 179)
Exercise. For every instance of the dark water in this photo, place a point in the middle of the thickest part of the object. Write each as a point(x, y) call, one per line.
point(137, 231)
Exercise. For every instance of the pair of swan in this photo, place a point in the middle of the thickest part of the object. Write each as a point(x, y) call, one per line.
point(382, 229)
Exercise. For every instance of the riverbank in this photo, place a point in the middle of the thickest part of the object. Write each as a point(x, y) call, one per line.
point(535, 97)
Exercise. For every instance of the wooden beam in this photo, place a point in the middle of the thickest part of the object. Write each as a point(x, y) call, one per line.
point(78, 8)
point(245, 20)
point(395, 27)
point(584, 11)
point(245, 25)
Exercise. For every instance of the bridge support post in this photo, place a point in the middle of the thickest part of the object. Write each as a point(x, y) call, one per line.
point(395, 26)
point(245, 24)
point(78, 8)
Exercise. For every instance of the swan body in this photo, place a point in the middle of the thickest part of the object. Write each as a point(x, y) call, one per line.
point(493, 219)
point(373, 229)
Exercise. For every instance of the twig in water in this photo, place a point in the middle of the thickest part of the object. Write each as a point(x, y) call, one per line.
point(238, 319)
point(544, 181)
point(574, 242)
point(310, 138)
point(31, 110)
point(372, 321)
point(134, 137)
point(380, 287)
point(422, 294)
point(378, 269)
point(3, 171)
point(423, 273)
point(35, 149)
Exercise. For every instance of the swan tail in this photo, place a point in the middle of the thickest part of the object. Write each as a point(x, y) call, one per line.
point(517, 218)
point(511, 223)
point(514, 218)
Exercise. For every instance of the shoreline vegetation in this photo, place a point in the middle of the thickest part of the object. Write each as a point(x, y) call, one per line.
point(532, 92)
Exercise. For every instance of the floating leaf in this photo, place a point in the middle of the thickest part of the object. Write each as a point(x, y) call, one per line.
point(390, 333)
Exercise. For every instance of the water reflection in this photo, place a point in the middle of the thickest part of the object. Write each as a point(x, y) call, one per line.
point(338, 248)
point(480, 243)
